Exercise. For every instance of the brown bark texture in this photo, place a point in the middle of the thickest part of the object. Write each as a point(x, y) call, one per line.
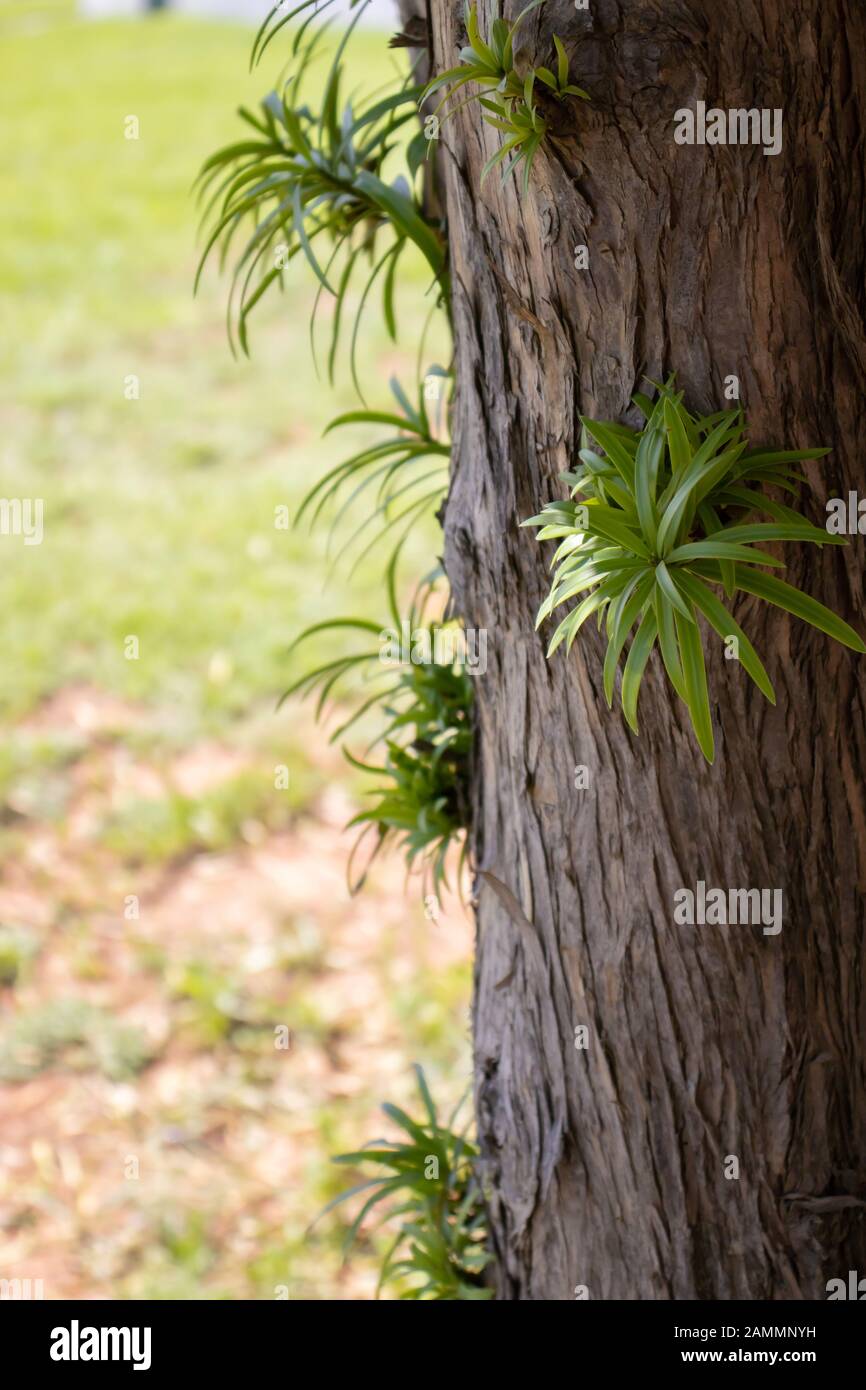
point(606, 1166)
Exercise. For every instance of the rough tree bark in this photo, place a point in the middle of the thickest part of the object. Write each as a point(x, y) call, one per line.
point(607, 1165)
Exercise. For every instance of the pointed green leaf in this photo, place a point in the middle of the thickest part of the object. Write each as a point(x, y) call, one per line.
point(807, 609)
point(668, 642)
point(695, 679)
point(668, 587)
point(624, 612)
point(726, 626)
point(644, 641)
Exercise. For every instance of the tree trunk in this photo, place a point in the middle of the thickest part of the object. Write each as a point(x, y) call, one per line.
point(607, 1165)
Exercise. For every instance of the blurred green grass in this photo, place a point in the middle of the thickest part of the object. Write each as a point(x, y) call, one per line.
point(159, 512)
point(159, 523)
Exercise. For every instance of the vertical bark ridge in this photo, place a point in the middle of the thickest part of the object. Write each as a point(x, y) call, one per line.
point(606, 1167)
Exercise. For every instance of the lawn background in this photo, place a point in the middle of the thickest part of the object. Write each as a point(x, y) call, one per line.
point(154, 778)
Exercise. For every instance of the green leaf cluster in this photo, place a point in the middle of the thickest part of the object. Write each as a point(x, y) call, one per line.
point(429, 1185)
point(406, 473)
point(512, 102)
point(661, 517)
point(313, 183)
point(421, 801)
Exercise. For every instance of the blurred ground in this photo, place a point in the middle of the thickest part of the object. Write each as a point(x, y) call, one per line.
point(165, 908)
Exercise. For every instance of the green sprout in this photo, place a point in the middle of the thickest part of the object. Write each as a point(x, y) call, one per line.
point(315, 179)
point(664, 515)
point(430, 1184)
point(421, 803)
point(512, 103)
point(408, 469)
